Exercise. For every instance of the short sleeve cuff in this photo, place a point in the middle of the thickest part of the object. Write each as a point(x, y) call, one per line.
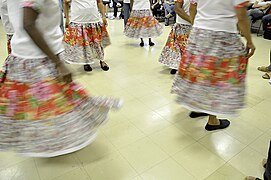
point(34, 4)
point(241, 3)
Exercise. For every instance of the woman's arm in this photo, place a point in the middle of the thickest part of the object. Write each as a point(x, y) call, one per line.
point(180, 11)
point(244, 26)
point(101, 9)
point(192, 12)
point(67, 11)
point(29, 23)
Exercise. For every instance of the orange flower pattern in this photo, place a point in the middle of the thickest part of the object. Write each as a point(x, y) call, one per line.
point(142, 24)
point(175, 45)
point(212, 72)
point(85, 42)
point(43, 117)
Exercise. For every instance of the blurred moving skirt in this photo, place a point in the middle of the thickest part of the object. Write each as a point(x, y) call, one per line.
point(175, 45)
point(142, 24)
point(212, 73)
point(43, 117)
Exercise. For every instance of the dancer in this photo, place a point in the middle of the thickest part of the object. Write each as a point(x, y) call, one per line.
point(86, 36)
point(141, 23)
point(6, 23)
point(175, 45)
point(43, 113)
point(212, 71)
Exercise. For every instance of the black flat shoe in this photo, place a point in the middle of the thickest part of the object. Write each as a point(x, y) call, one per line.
point(87, 68)
point(141, 44)
point(197, 114)
point(224, 123)
point(151, 44)
point(104, 66)
point(173, 71)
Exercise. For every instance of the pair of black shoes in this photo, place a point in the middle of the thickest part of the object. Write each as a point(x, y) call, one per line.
point(224, 123)
point(104, 67)
point(150, 44)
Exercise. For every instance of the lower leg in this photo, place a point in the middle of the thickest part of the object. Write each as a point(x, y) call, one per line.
point(171, 10)
point(115, 9)
point(216, 124)
point(213, 120)
point(166, 7)
point(126, 12)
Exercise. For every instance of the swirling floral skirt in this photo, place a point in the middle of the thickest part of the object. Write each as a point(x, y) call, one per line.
point(142, 24)
point(43, 117)
point(85, 43)
point(211, 76)
point(175, 45)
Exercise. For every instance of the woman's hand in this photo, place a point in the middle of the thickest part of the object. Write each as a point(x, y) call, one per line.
point(105, 22)
point(67, 23)
point(250, 49)
point(64, 73)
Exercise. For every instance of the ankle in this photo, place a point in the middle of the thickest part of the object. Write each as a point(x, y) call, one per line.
point(213, 120)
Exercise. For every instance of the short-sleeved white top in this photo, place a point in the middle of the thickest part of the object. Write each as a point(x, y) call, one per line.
point(217, 15)
point(85, 11)
point(4, 17)
point(186, 6)
point(141, 4)
point(48, 23)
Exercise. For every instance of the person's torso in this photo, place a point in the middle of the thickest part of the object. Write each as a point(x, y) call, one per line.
point(141, 4)
point(186, 6)
point(85, 11)
point(218, 15)
point(48, 24)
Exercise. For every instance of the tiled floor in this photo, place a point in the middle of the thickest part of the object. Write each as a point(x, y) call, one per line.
point(152, 138)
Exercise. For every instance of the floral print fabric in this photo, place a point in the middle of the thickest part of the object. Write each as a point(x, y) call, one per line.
point(142, 24)
point(175, 45)
point(85, 42)
point(43, 117)
point(212, 72)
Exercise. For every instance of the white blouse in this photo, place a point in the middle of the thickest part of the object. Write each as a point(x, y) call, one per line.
point(48, 23)
point(141, 4)
point(85, 11)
